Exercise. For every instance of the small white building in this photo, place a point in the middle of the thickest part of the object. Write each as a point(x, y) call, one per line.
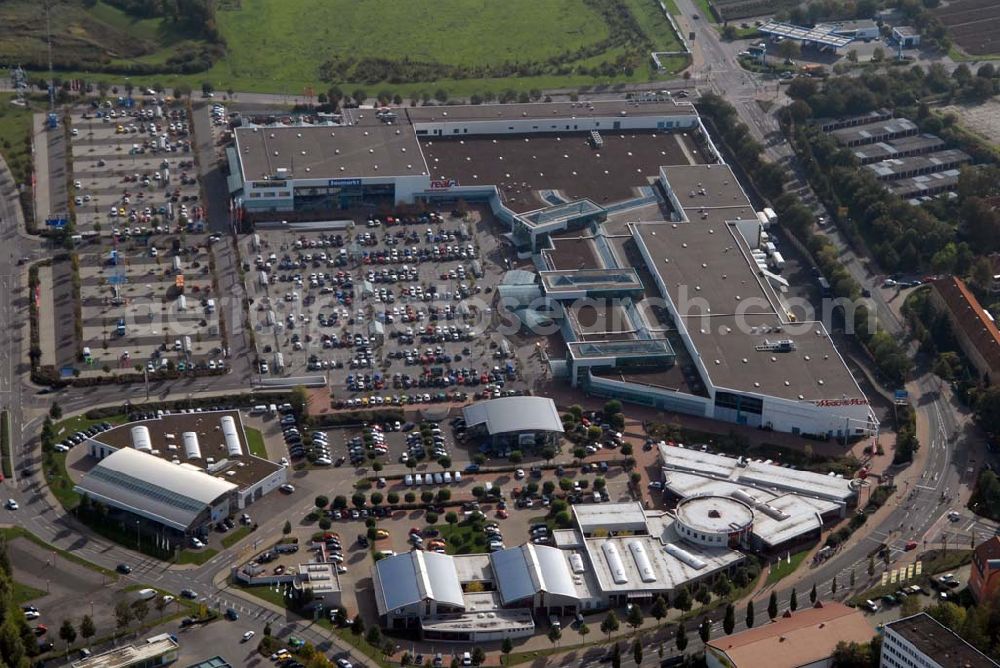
point(906, 36)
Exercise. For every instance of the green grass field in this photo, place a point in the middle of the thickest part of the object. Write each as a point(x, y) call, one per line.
point(255, 441)
point(453, 45)
point(24, 593)
point(198, 557)
point(234, 536)
point(15, 131)
point(785, 568)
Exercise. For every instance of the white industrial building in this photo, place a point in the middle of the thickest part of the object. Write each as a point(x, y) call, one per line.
point(156, 468)
point(786, 507)
point(181, 497)
point(514, 422)
point(592, 567)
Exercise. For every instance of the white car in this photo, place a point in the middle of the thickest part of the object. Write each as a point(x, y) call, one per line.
point(287, 488)
point(12, 504)
point(32, 614)
point(197, 543)
point(248, 635)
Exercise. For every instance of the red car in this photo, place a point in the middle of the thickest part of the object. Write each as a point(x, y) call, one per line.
point(41, 630)
point(911, 545)
point(503, 514)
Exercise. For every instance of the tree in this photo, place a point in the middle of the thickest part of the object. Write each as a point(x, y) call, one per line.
point(634, 618)
point(705, 630)
point(207, 87)
point(55, 410)
point(67, 633)
point(287, 529)
point(554, 634)
point(702, 595)
point(793, 600)
point(161, 605)
point(87, 628)
point(376, 498)
point(812, 594)
point(123, 615)
point(616, 656)
point(749, 615)
point(392, 498)
point(610, 624)
point(681, 637)
point(878, 54)
point(659, 608)
point(373, 637)
point(833, 586)
point(506, 647)
point(789, 49)
point(478, 656)
point(451, 517)
point(140, 609)
point(583, 630)
point(722, 586)
point(852, 55)
point(852, 578)
point(637, 650)
point(322, 502)
point(772, 605)
point(516, 457)
point(729, 621)
point(325, 523)
point(682, 599)
point(358, 624)
point(358, 499)
point(441, 95)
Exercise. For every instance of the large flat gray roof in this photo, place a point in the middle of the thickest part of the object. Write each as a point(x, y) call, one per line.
point(330, 151)
point(709, 274)
point(539, 110)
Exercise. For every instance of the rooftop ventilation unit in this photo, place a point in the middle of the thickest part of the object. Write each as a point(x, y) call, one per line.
point(779, 346)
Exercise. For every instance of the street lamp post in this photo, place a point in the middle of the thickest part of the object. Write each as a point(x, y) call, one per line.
point(138, 537)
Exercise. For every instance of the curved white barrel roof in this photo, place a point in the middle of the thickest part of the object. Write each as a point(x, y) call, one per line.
point(140, 438)
point(192, 450)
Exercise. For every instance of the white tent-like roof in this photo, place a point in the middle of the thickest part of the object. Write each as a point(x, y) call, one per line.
point(523, 571)
point(405, 579)
point(513, 414)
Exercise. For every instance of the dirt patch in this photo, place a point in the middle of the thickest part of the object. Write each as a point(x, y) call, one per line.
point(983, 119)
point(974, 25)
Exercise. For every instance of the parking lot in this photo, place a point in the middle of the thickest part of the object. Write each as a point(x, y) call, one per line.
point(147, 301)
point(383, 308)
point(133, 166)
